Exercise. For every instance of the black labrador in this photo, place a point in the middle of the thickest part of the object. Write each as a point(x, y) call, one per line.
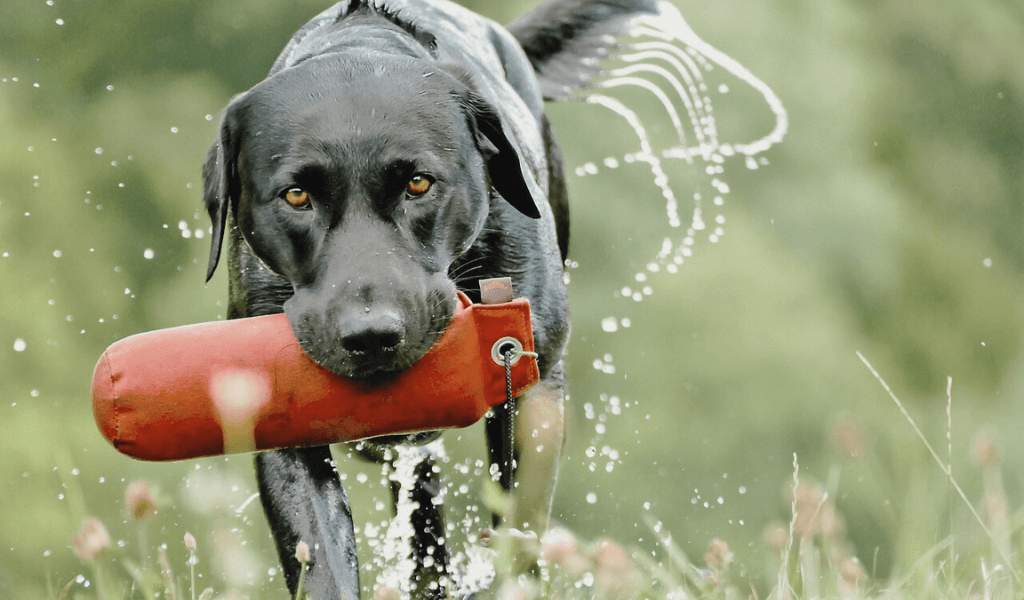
point(398, 151)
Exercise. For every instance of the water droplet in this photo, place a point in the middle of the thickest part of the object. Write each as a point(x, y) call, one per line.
point(987, 263)
point(147, 253)
point(591, 498)
point(609, 324)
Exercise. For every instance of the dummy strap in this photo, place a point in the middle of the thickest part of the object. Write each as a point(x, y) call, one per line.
point(507, 352)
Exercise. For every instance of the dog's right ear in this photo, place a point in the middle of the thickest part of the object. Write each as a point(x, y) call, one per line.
point(220, 179)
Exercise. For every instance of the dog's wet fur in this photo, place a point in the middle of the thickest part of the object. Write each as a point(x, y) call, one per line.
point(397, 151)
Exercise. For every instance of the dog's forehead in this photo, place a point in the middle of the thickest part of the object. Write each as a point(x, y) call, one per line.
point(342, 98)
point(358, 116)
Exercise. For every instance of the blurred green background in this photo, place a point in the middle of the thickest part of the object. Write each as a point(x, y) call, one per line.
point(889, 221)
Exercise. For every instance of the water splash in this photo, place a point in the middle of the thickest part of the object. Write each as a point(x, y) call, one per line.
point(393, 546)
point(668, 60)
point(470, 570)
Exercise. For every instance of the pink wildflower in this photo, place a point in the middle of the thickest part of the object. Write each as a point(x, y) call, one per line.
point(984, 449)
point(718, 557)
point(559, 547)
point(91, 540)
point(849, 436)
point(616, 576)
point(138, 500)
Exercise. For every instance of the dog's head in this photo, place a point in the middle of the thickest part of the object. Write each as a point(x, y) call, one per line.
point(359, 178)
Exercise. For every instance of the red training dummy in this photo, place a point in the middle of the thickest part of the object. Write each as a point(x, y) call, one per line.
point(245, 384)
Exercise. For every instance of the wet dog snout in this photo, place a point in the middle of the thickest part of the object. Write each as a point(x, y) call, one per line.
point(371, 334)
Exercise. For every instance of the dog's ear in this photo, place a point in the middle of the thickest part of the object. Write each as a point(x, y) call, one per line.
point(220, 180)
point(509, 173)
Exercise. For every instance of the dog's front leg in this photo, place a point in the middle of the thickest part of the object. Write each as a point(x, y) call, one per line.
point(305, 501)
point(429, 550)
point(540, 435)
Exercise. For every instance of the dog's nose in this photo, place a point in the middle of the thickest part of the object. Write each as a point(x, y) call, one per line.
point(372, 334)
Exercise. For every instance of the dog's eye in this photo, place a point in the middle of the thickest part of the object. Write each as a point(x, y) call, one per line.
point(418, 185)
point(297, 197)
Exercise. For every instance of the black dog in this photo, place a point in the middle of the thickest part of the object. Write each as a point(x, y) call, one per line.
point(399, 151)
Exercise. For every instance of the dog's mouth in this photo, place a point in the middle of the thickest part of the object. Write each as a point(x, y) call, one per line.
point(375, 347)
point(378, 368)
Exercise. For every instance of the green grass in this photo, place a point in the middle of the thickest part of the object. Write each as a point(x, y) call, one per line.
point(809, 556)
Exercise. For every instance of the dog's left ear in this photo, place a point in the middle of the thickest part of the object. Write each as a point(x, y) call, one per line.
point(509, 173)
point(220, 180)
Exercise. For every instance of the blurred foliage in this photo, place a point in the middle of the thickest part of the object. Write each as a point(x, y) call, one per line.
point(889, 221)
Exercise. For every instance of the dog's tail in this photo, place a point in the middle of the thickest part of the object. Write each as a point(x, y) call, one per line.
point(565, 38)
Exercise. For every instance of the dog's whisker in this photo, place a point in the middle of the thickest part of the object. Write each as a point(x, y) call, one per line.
point(473, 261)
point(462, 273)
point(461, 270)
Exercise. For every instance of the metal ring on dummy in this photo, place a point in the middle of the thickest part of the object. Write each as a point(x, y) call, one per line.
point(502, 346)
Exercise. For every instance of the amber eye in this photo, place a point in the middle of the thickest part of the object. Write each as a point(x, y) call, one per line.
point(297, 197)
point(418, 185)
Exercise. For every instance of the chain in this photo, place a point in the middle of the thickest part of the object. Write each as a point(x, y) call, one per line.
point(509, 435)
